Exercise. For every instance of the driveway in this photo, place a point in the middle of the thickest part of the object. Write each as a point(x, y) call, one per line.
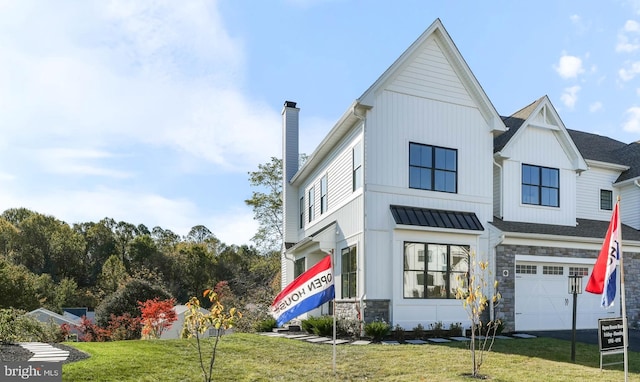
point(589, 336)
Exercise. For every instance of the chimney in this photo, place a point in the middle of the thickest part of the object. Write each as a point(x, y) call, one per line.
point(290, 140)
point(290, 201)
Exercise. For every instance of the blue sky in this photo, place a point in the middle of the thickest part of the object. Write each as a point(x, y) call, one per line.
point(153, 112)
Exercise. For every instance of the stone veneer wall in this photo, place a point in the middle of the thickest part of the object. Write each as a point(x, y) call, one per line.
point(371, 310)
point(505, 259)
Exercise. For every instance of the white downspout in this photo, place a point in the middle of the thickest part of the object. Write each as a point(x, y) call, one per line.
point(492, 254)
point(362, 246)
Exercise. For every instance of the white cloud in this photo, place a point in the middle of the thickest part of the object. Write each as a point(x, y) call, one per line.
point(162, 74)
point(569, 66)
point(632, 123)
point(630, 71)
point(570, 96)
point(595, 106)
point(628, 38)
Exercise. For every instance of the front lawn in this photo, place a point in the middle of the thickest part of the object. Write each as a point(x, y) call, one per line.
point(252, 357)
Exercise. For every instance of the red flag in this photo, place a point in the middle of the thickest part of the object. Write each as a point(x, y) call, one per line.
point(603, 276)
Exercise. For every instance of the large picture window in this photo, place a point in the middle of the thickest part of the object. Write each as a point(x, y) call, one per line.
point(349, 272)
point(432, 270)
point(540, 185)
point(433, 168)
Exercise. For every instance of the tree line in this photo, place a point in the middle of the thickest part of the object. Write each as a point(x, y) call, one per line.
point(46, 262)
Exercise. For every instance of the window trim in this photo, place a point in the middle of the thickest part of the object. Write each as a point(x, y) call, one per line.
point(324, 190)
point(351, 275)
point(301, 216)
point(448, 273)
point(311, 197)
point(297, 264)
point(610, 207)
point(356, 166)
point(434, 170)
point(540, 187)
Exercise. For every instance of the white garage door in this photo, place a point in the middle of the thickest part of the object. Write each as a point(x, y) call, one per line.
point(543, 301)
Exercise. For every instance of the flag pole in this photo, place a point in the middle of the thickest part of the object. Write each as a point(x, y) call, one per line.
point(333, 274)
point(624, 304)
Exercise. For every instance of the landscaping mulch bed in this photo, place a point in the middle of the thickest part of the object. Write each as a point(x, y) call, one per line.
point(16, 353)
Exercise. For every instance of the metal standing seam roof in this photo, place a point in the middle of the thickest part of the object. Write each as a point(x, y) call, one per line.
point(425, 217)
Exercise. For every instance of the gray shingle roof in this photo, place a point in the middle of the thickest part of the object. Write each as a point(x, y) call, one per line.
point(585, 228)
point(591, 146)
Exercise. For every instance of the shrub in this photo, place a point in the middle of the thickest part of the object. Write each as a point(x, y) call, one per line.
point(418, 331)
point(348, 327)
point(398, 333)
point(125, 300)
point(455, 329)
point(377, 330)
point(320, 326)
point(265, 325)
point(436, 328)
point(15, 327)
point(124, 327)
point(90, 332)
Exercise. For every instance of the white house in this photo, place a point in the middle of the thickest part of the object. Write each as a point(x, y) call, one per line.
point(175, 330)
point(49, 317)
point(421, 170)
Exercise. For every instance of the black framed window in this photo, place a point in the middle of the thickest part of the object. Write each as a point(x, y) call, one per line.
point(301, 212)
point(433, 168)
point(312, 197)
point(540, 185)
point(606, 200)
point(436, 274)
point(349, 272)
point(357, 166)
point(298, 267)
point(324, 200)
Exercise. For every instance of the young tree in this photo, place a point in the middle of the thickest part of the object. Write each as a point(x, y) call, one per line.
point(471, 290)
point(157, 316)
point(267, 204)
point(197, 323)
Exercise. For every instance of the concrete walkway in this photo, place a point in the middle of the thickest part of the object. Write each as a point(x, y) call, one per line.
point(44, 352)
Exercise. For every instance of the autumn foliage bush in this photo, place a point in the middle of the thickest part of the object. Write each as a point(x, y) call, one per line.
point(157, 316)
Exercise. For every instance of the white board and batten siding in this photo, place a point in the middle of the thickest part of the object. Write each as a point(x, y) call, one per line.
point(400, 119)
point(428, 74)
point(526, 150)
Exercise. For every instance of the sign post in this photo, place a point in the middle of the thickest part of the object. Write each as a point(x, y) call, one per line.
point(575, 287)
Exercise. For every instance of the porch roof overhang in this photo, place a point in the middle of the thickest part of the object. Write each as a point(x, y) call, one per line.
point(323, 239)
point(432, 218)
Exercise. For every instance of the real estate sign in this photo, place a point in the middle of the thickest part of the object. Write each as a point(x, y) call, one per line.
point(611, 334)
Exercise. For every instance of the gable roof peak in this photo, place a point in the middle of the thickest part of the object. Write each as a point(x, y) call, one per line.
point(437, 31)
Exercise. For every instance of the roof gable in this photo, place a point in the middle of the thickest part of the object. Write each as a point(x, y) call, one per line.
point(539, 114)
point(434, 45)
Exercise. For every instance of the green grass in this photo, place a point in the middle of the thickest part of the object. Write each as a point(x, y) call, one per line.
point(251, 357)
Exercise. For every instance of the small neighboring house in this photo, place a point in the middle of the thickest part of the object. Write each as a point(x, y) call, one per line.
point(176, 328)
point(421, 170)
point(47, 316)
